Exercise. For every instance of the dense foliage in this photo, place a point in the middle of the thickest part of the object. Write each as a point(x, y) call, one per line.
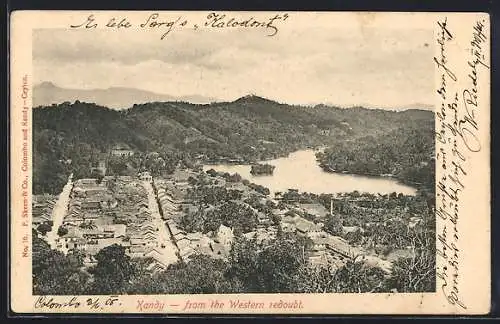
point(405, 153)
point(238, 216)
point(279, 266)
point(73, 137)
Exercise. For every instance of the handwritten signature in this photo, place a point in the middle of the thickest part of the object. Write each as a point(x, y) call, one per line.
point(458, 133)
point(213, 20)
point(75, 302)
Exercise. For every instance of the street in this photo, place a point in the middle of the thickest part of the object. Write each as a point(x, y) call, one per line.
point(167, 248)
point(59, 212)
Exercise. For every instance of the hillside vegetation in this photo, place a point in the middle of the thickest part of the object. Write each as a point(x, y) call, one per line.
point(403, 153)
point(69, 137)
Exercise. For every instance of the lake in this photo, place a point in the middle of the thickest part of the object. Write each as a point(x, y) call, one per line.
point(301, 171)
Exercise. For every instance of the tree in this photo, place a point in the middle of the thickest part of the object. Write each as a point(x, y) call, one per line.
point(333, 225)
point(54, 273)
point(201, 275)
point(416, 273)
point(212, 172)
point(61, 231)
point(276, 219)
point(315, 280)
point(117, 165)
point(355, 237)
point(44, 228)
point(278, 265)
point(89, 225)
point(359, 277)
point(243, 259)
point(113, 270)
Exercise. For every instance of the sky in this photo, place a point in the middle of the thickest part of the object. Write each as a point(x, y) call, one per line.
point(345, 60)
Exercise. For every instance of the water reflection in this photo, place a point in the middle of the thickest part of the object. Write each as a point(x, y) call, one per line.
point(300, 171)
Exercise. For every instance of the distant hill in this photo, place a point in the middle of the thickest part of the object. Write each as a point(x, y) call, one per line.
point(118, 98)
point(47, 93)
point(419, 106)
point(251, 128)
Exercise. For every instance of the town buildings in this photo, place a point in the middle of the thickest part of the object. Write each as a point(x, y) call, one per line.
point(42, 206)
point(143, 214)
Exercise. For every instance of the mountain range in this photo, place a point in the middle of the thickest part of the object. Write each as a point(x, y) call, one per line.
point(47, 93)
point(118, 98)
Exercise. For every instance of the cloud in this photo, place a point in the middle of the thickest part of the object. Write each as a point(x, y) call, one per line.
point(344, 64)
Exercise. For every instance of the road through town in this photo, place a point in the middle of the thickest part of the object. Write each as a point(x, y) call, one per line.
point(167, 248)
point(59, 212)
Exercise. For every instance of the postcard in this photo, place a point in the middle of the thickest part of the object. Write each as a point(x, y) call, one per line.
point(209, 162)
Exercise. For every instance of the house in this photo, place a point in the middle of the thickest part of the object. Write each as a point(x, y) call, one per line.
point(319, 260)
point(153, 253)
point(85, 182)
point(171, 223)
point(117, 230)
point(315, 209)
point(319, 243)
point(97, 192)
point(148, 226)
point(195, 239)
point(73, 232)
point(341, 247)
point(303, 226)
point(177, 192)
point(42, 207)
point(263, 219)
point(125, 243)
point(180, 236)
point(73, 220)
point(137, 251)
point(142, 205)
point(122, 151)
point(90, 217)
point(143, 215)
point(89, 260)
point(219, 250)
point(181, 176)
point(155, 266)
point(261, 235)
point(137, 241)
point(150, 239)
point(414, 221)
point(225, 235)
point(145, 176)
point(100, 165)
point(167, 204)
point(186, 252)
point(95, 233)
point(91, 205)
point(38, 219)
point(174, 230)
point(76, 243)
point(352, 229)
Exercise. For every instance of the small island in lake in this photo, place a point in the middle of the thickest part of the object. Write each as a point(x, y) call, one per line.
point(262, 169)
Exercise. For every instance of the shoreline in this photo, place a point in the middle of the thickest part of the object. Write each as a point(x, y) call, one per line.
point(415, 185)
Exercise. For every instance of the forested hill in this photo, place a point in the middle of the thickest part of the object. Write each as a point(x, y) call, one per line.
point(250, 128)
point(405, 153)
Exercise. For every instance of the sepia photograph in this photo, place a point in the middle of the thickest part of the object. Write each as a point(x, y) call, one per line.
point(251, 162)
point(233, 164)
